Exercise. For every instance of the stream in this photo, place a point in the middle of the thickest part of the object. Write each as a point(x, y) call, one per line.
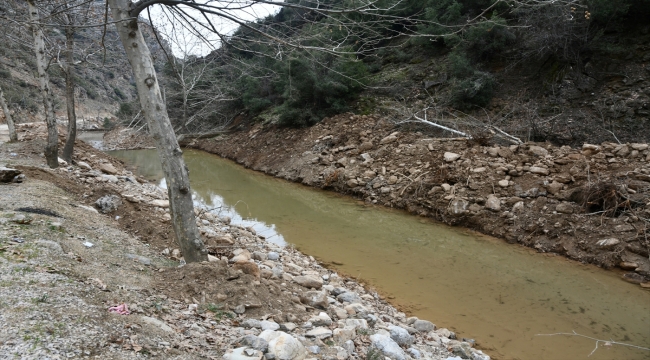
point(501, 295)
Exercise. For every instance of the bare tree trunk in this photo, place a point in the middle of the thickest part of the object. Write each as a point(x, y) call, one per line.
point(69, 96)
point(155, 112)
point(10, 120)
point(52, 147)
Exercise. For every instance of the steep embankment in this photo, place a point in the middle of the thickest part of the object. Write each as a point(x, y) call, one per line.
point(590, 205)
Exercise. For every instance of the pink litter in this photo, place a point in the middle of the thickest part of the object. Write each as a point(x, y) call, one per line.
point(120, 309)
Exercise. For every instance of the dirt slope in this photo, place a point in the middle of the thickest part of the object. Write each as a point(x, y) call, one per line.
point(587, 204)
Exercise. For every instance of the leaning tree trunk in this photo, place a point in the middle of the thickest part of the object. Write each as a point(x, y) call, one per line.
point(10, 120)
point(69, 96)
point(155, 112)
point(52, 147)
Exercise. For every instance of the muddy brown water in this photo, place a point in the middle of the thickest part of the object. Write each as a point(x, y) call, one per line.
point(498, 294)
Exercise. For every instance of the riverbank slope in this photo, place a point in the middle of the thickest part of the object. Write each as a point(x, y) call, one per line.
point(88, 267)
point(591, 204)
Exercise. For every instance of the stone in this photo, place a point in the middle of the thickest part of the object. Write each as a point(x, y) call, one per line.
point(424, 326)
point(348, 297)
point(160, 203)
point(518, 207)
point(444, 332)
point(626, 265)
point(251, 323)
point(317, 299)
point(608, 243)
point(259, 255)
point(458, 207)
point(283, 346)
point(109, 203)
point(538, 151)
point(446, 187)
point(243, 353)
point(356, 324)
point(319, 333)
point(493, 203)
point(392, 180)
point(321, 320)
point(8, 174)
point(309, 281)
point(239, 309)
point(639, 147)
point(356, 309)
point(387, 346)
point(314, 349)
point(554, 187)
point(254, 342)
point(400, 335)
point(539, 170)
point(108, 168)
point(415, 353)
point(352, 183)
point(157, 323)
point(365, 146)
point(388, 139)
point(451, 157)
point(272, 255)
point(344, 334)
point(479, 169)
point(564, 208)
point(269, 325)
point(340, 313)
point(289, 326)
point(411, 320)
point(504, 183)
point(591, 148)
point(462, 349)
point(84, 165)
point(349, 346)
point(240, 255)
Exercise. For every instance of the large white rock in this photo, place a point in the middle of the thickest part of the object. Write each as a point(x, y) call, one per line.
point(283, 346)
point(319, 333)
point(309, 281)
point(450, 156)
point(387, 346)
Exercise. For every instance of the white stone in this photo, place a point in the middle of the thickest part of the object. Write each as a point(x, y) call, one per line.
point(450, 157)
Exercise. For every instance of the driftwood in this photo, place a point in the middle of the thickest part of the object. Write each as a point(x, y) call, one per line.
point(185, 138)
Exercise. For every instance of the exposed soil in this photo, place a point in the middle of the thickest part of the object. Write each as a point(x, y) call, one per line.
point(63, 264)
point(590, 204)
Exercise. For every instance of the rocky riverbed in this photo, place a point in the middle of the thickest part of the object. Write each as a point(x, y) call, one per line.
point(89, 268)
point(589, 204)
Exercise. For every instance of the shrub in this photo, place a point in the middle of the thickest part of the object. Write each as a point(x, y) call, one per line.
point(473, 91)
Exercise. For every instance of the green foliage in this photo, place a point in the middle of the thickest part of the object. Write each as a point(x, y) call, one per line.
point(604, 11)
point(119, 93)
point(476, 90)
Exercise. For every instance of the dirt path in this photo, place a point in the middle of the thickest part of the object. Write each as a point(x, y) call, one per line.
point(590, 204)
point(84, 238)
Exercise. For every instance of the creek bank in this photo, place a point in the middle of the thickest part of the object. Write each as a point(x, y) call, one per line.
point(88, 236)
point(554, 199)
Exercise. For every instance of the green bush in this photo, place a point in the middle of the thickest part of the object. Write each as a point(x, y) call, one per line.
point(473, 91)
point(119, 93)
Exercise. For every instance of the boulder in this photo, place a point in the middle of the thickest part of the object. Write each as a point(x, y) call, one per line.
point(493, 203)
point(400, 335)
point(538, 151)
point(109, 203)
point(451, 157)
point(254, 342)
point(539, 170)
point(608, 243)
point(564, 208)
point(269, 325)
point(315, 299)
point(349, 297)
point(424, 326)
point(283, 346)
point(387, 347)
point(309, 281)
point(108, 168)
point(319, 333)
point(321, 320)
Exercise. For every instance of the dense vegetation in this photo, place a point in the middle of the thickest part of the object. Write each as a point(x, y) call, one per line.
point(298, 87)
